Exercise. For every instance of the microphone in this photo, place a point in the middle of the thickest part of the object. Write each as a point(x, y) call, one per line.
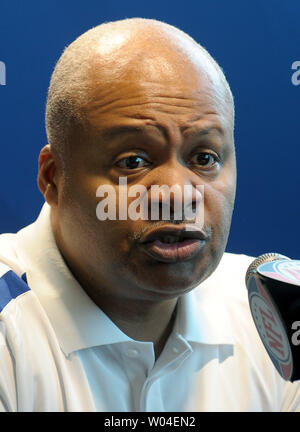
point(273, 284)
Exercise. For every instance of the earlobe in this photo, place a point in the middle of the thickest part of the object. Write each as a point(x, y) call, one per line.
point(47, 175)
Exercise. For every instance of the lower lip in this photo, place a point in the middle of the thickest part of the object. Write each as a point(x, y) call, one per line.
point(173, 252)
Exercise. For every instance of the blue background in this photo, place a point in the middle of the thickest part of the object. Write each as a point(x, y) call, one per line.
point(254, 41)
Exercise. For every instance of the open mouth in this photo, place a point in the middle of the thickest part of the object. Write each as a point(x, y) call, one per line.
point(170, 244)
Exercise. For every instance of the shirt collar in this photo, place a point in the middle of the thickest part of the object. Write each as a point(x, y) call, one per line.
point(79, 323)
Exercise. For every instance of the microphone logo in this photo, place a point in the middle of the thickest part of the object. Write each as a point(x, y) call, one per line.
point(285, 271)
point(270, 329)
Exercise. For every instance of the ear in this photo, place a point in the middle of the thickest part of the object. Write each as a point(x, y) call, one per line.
point(47, 175)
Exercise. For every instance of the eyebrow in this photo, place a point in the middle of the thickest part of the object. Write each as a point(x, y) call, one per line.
point(116, 131)
point(197, 132)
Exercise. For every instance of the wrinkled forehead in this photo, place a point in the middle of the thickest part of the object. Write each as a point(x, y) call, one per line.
point(159, 74)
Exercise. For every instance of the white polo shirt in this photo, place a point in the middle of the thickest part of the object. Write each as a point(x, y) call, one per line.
point(60, 352)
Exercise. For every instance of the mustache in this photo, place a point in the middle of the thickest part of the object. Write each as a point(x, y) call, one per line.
point(139, 234)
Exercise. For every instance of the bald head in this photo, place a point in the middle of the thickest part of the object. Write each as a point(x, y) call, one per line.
point(107, 54)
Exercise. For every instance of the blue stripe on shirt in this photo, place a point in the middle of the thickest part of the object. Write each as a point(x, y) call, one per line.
point(11, 286)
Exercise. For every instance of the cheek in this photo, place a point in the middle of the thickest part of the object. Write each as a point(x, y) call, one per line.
point(106, 240)
point(219, 201)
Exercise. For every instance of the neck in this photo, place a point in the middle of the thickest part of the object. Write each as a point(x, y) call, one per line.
point(141, 320)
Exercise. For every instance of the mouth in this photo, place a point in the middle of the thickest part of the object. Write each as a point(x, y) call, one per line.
point(171, 244)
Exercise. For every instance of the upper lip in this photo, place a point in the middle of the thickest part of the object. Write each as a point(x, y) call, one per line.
point(179, 232)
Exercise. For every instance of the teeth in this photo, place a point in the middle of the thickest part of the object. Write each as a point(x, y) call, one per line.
point(170, 239)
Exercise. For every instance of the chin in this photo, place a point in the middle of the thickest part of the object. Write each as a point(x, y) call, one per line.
point(169, 281)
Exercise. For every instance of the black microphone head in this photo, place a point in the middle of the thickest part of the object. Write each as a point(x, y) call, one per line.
point(273, 284)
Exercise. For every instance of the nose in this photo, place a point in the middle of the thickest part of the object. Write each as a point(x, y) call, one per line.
point(175, 194)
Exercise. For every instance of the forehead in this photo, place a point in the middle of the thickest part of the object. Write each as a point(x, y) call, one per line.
point(144, 84)
point(151, 98)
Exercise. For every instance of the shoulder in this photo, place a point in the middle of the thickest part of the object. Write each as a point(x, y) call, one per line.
point(229, 283)
point(13, 280)
point(13, 285)
point(233, 267)
point(9, 257)
point(229, 276)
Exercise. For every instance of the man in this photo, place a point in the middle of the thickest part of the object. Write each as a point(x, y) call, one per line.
point(127, 314)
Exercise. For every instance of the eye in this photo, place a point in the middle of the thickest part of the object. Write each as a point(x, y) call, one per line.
point(205, 159)
point(132, 162)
